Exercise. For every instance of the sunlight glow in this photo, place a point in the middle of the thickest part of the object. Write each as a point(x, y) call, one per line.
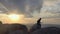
point(14, 17)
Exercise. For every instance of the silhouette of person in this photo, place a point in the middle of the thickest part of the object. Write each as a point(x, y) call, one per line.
point(39, 21)
point(36, 26)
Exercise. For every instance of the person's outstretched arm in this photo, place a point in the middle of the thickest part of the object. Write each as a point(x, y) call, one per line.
point(39, 21)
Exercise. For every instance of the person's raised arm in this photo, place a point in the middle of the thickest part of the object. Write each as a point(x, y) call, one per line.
point(39, 21)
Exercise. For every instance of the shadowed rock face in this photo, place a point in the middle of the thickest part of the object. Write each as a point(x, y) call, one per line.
point(35, 27)
point(12, 28)
point(48, 30)
point(19, 29)
point(0, 22)
point(17, 32)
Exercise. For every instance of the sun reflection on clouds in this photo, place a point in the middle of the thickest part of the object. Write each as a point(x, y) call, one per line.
point(14, 17)
point(11, 18)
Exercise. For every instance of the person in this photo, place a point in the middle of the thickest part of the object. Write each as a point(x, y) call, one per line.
point(36, 26)
point(39, 21)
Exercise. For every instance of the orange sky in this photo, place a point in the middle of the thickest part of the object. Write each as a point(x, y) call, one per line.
point(23, 20)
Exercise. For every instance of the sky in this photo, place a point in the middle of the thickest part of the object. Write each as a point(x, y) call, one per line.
point(48, 10)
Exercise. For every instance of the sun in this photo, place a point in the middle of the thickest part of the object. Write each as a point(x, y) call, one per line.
point(14, 17)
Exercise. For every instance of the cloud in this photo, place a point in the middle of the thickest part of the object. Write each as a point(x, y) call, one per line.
point(31, 10)
point(51, 21)
point(50, 9)
point(22, 5)
point(6, 20)
point(48, 14)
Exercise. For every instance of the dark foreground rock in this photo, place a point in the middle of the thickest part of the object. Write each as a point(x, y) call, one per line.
point(13, 28)
point(48, 30)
